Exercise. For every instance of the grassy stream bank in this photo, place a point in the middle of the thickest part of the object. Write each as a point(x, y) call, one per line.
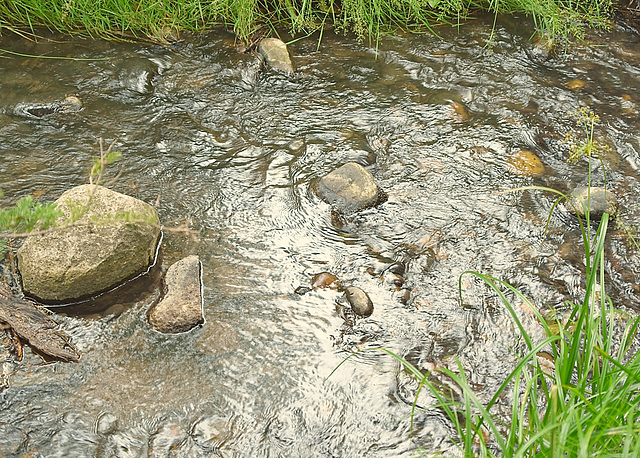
point(367, 19)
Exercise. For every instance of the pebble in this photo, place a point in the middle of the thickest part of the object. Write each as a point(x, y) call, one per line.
point(359, 301)
point(525, 163)
point(325, 280)
point(576, 84)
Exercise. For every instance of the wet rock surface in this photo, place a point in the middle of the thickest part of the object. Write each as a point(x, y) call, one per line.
point(526, 163)
point(114, 238)
point(350, 188)
point(325, 280)
point(597, 200)
point(70, 104)
point(181, 308)
point(276, 55)
point(359, 301)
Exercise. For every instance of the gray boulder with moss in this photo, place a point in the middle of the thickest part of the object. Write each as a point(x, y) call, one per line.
point(102, 239)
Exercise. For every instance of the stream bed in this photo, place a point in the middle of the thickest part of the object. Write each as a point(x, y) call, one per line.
point(233, 149)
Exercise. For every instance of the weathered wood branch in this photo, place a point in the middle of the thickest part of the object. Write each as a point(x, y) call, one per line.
point(35, 327)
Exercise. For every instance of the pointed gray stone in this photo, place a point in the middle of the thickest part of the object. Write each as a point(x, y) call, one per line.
point(276, 55)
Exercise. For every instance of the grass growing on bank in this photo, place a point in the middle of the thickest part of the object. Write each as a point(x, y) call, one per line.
point(367, 19)
point(587, 404)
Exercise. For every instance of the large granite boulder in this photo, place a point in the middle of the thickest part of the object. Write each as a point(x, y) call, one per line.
point(102, 239)
point(180, 310)
point(350, 188)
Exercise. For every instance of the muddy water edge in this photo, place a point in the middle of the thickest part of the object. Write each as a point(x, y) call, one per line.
point(234, 149)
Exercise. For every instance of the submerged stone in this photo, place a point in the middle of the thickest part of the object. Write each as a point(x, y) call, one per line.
point(102, 239)
point(526, 163)
point(576, 84)
point(325, 280)
point(359, 301)
point(181, 308)
point(595, 199)
point(458, 112)
point(275, 53)
point(350, 188)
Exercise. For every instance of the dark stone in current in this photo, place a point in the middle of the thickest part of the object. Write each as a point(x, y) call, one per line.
point(302, 290)
point(70, 104)
point(599, 201)
point(397, 268)
point(403, 295)
point(350, 188)
point(359, 301)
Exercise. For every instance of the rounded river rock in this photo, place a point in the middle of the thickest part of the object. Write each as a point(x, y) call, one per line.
point(350, 188)
point(599, 200)
point(359, 301)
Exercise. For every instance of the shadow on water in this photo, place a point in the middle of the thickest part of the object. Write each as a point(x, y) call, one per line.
point(234, 149)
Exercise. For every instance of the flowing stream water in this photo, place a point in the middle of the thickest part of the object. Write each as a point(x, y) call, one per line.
point(234, 149)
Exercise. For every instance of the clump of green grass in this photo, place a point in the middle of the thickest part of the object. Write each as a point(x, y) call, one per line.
point(367, 19)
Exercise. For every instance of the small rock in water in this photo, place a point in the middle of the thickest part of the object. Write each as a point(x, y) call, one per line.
point(70, 104)
point(397, 268)
point(302, 290)
point(393, 279)
point(403, 295)
point(181, 308)
point(325, 280)
point(350, 188)
point(543, 48)
point(275, 53)
point(526, 164)
point(107, 424)
point(458, 111)
point(576, 84)
point(359, 301)
point(596, 199)
point(165, 440)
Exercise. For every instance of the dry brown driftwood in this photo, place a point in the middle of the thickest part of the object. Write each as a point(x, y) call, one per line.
point(30, 324)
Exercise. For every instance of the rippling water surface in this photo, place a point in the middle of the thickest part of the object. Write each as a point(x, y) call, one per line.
point(234, 150)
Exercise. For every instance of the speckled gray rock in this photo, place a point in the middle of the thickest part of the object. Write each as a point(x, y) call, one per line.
point(181, 308)
point(114, 239)
point(359, 301)
point(276, 55)
point(350, 188)
point(599, 199)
